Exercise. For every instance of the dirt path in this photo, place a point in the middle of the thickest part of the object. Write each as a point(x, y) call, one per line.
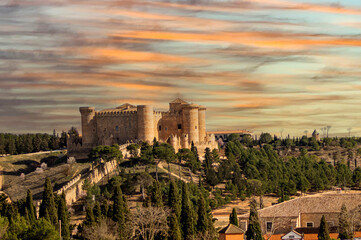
point(160, 165)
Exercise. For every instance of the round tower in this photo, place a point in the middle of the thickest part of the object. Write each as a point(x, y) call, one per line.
point(88, 125)
point(145, 115)
point(190, 121)
point(202, 123)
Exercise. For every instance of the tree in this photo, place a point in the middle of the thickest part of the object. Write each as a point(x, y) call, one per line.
point(149, 222)
point(344, 225)
point(29, 205)
point(254, 231)
point(106, 229)
point(144, 179)
point(202, 222)
point(265, 138)
point(187, 214)
point(233, 219)
point(97, 212)
point(107, 153)
point(174, 199)
point(89, 217)
point(156, 195)
point(174, 228)
point(63, 217)
point(323, 233)
point(118, 207)
point(47, 206)
point(42, 229)
point(4, 224)
point(133, 149)
point(164, 152)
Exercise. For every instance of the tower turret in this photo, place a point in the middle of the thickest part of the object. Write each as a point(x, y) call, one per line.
point(145, 116)
point(190, 121)
point(88, 126)
point(202, 123)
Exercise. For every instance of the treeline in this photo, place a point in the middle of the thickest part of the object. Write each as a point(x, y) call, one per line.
point(254, 171)
point(304, 141)
point(29, 143)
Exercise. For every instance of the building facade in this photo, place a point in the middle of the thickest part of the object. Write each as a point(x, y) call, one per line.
point(181, 125)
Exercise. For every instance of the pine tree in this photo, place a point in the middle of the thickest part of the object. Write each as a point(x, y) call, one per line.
point(29, 206)
point(97, 212)
point(187, 214)
point(104, 208)
point(174, 199)
point(323, 233)
point(174, 228)
point(11, 148)
point(344, 224)
point(233, 219)
point(47, 206)
point(254, 228)
point(89, 218)
point(118, 206)
point(156, 195)
point(202, 222)
point(63, 217)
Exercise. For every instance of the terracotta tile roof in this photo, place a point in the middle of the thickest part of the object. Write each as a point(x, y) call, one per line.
point(231, 229)
point(319, 203)
point(312, 236)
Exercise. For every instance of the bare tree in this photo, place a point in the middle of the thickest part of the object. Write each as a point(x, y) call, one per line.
point(349, 132)
point(106, 229)
point(328, 129)
point(148, 222)
point(206, 236)
point(144, 179)
point(275, 225)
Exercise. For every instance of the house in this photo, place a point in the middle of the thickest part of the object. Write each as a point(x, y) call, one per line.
point(231, 232)
point(303, 212)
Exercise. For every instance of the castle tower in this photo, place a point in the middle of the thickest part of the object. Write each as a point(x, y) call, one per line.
point(88, 126)
point(190, 121)
point(202, 123)
point(145, 123)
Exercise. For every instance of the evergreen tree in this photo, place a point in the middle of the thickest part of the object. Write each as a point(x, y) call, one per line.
point(89, 218)
point(233, 219)
point(63, 217)
point(187, 214)
point(254, 228)
point(11, 148)
point(323, 233)
point(344, 224)
point(97, 212)
point(29, 206)
point(174, 199)
point(174, 228)
point(202, 222)
point(47, 206)
point(104, 208)
point(118, 206)
point(156, 195)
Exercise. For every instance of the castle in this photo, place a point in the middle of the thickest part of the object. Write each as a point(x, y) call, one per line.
point(183, 124)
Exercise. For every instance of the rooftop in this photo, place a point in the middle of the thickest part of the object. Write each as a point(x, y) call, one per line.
point(231, 229)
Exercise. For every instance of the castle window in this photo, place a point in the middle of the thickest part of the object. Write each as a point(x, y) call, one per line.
point(93, 129)
point(269, 226)
point(195, 127)
point(179, 126)
point(116, 128)
point(160, 128)
point(309, 224)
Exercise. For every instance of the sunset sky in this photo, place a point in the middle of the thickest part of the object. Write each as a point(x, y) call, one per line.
point(260, 65)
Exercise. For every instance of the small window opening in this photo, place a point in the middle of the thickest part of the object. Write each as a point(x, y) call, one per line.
point(160, 128)
point(179, 126)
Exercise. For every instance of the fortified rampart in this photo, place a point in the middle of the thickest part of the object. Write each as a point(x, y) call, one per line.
point(181, 125)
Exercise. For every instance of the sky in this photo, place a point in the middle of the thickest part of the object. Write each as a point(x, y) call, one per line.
point(262, 65)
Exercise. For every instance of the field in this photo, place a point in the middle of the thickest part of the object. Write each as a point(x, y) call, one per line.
point(19, 173)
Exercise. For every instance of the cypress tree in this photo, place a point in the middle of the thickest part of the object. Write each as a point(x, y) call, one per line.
point(156, 195)
point(64, 217)
point(233, 219)
point(174, 228)
point(254, 228)
point(323, 233)
point(97, 212)
point(118, 206)
point(344, 224)
point(104, 209)
point(187, 214)
point(29, 206)
point(89, 218)
point(202, 222)
point(174, 199)
point(47, 206)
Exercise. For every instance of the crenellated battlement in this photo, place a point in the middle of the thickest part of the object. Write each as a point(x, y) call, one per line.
point(115, 113)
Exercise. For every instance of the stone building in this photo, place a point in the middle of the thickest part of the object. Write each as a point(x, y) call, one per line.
point(181, 125)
